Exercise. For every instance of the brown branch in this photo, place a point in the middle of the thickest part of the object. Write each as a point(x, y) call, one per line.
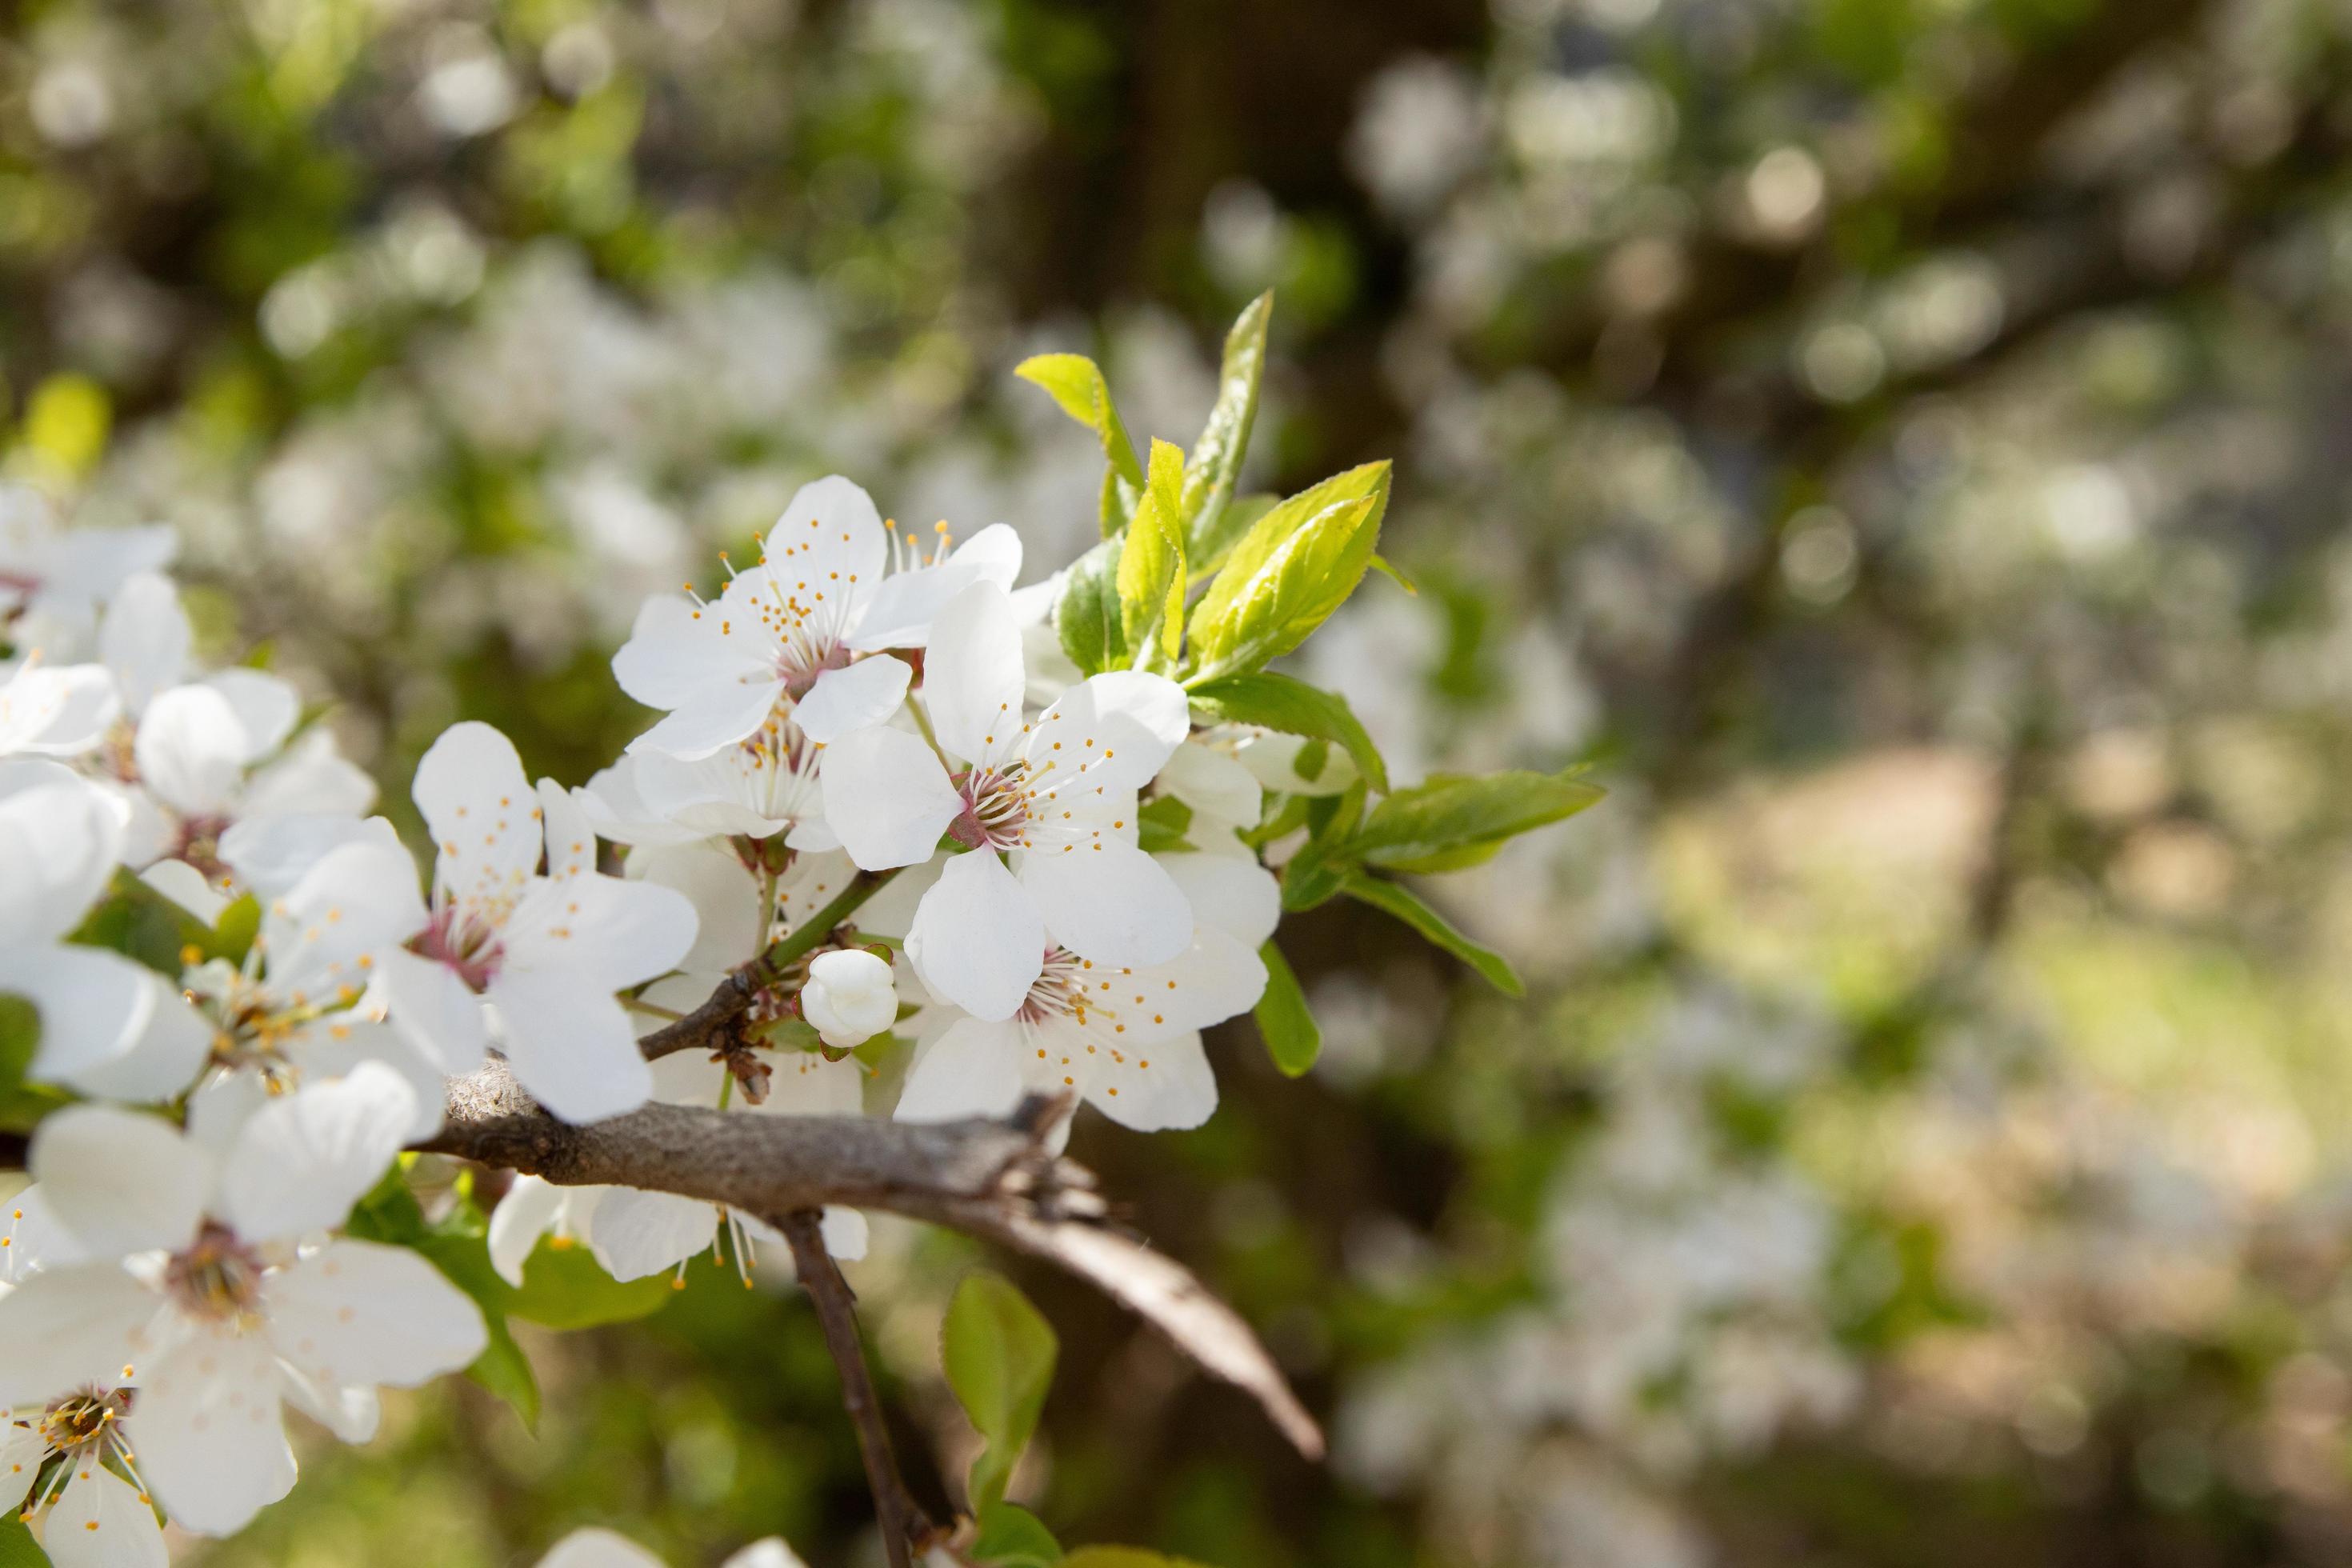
point(906, 1529)
point(712, 1024)
point(990, 1179)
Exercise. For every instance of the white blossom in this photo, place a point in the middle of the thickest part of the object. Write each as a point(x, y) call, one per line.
point(849, 997)
point(1058, 793)
point(198, 1284)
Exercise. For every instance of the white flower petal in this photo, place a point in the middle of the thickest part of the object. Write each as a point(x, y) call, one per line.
point(212, 1442)
point(94, 1006)
point(771, 1553)
point(435, 1010)
point(482, 814)
point(69, 1325)
point(971, 1069)
point(144, 638)
point(324, 933)
point(886, 797)
point(162, 1062)
point(356, 1312)
point(302, 1161)
point(120, 1182)
point(570, 1043)
point(978, 940)
point(899, 612)
point(1162, 1088)
point(100, 1520)
point(1108, 901)
point(726, 899)
point(21, 1452)
point(270, 854)
point(674, 658)
point(607, 931)
point(1112, 733)
point(351, 1412)
point(718, 716)
point(58, 710)
point(598, 1549)
point(636, 1233)
point(526, 1213)
point(266, 707)
point(845, 1233)
point(1213, 784)
point(851, 697)
point(186, 887)
point(830, 532)
point(972, 675)
point(192, 751)
point(60, 836)
point(312, 778)
point(1237, 896)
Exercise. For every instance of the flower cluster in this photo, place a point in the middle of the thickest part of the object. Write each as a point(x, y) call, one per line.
point(1011, 842)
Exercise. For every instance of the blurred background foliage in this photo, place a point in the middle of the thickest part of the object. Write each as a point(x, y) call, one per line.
point(1898, 441)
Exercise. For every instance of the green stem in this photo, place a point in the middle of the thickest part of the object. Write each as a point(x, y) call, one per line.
point(805, 937)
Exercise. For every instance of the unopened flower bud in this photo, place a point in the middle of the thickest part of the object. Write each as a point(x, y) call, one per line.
point(849, 997)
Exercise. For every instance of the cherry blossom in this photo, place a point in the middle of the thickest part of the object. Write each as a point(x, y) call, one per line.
point(99, 1512)
point(194, 1282)
point(849, 997)
point(59, 840)
point(1057, 793)
point(792, 627)
point(545, 951)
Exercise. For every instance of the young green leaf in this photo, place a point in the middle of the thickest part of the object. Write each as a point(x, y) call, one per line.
point(1291, 1038)
point(1076, 383)
point(239, 923)
point(999, 1358)
point(20, 1037)
point(1401, 901)
point(1212, 543)
point(1011, 1537)
point(1161, 824)
point(1216, 459)
point(1086, 616)
point(1295, 565)
point(1282, 702)
point(1151, 564)
point(17, 1548)
point(1431, 825)
point(136, 921)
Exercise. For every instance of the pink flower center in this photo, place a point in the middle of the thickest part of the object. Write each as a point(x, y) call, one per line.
point(467, 945)
point(996, 802)
point(217, 1277)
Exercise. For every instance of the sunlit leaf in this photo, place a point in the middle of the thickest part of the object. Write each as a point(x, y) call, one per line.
point(1216, 458)
point(1407, 906)
point(1292, 1038)
point(1151, 564)
point(1086, 616)
point(1453, 811)
point(1297, 564)
point(1076, 383)
point(998, 1354)
point(1282, 702)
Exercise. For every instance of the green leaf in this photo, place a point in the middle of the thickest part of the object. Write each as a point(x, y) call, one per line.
point(1160, 825)
point(1124, 1557)
point(1292, 1038)
point(1151, 565)
point(1386, 568)
point(239, 923)
point(1216, 459)
point(998, 1357)
point(505, 1371)
point(1076, 383)
point(1406, 905)
point(1420, 829)
point(563, 1287)
point(142, 923)
point(1086, 616)
point(1212, 543)
point(17, 1548)
point(20, 1037)
point(1313, 874)
point(1295, 565)
point(1012, 1537)
point(1282, 702)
